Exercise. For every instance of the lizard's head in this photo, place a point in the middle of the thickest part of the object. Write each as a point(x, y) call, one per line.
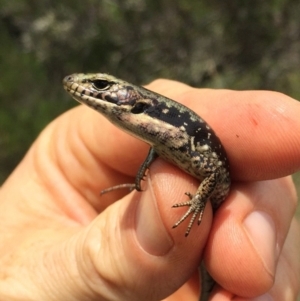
point(100, 91)
point(126, 105)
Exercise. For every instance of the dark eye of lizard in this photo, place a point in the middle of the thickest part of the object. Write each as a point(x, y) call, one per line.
point(100, 84)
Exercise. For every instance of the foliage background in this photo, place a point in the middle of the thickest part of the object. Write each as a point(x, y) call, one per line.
point(220, 44)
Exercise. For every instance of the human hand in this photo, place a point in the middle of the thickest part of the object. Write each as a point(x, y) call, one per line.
point(61, 241)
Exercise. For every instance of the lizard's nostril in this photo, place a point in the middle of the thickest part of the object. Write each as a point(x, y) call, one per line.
point(68, 79)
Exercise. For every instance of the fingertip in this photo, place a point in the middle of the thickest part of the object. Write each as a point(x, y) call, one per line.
point(231, 257)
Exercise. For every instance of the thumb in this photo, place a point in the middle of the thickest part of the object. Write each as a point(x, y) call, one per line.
point(131, 250)
point(54, 246)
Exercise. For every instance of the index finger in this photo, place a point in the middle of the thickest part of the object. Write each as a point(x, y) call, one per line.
point(259, 129)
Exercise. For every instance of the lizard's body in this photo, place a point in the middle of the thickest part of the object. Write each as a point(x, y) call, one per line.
point(174, 132)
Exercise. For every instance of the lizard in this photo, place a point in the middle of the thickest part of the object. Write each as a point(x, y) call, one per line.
point(173, 131)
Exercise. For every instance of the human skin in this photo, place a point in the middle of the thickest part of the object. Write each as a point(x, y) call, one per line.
point(59, 240)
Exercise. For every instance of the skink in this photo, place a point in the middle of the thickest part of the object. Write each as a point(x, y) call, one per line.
point(173, 131)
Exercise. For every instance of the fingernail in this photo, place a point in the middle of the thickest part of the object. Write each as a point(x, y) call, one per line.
point(262, 233)
point(150, 230)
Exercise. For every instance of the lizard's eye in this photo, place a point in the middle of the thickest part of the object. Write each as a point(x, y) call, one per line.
point(139, 107)
point(100, 84)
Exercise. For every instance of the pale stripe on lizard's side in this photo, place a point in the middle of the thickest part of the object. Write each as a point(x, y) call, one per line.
point(174, 132)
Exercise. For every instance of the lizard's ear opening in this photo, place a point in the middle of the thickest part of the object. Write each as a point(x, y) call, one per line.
point(140, 107)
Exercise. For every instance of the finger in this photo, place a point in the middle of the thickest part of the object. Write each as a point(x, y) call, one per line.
point(248, 235)
point(286, 284)
point(259, 129)
point(138, 256)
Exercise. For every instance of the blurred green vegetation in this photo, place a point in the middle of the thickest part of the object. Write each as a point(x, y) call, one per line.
point(230, 44)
